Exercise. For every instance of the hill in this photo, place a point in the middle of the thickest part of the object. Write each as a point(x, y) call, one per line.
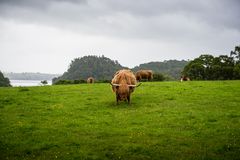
point(30, 76)
point(101, 68)
point(172, 68)
point(166, 120)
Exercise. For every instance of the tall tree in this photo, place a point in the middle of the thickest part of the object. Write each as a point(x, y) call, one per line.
point(236, 71)
point(236, 54)
point(208, 67)
point(4, 82)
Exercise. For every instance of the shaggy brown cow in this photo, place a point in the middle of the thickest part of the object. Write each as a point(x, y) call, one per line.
point(184, 78)
point(144, 74)
point(123, 84)
point(90, 80)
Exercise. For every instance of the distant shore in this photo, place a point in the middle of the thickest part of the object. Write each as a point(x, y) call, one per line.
point(24, 83)
point(30, 76)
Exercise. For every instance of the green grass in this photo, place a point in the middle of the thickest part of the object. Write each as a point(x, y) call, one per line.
point(166, 120)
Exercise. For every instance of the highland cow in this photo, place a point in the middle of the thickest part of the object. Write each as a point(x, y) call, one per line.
point(144, 74)
point(123, 84)
point(90, 80)
point(184, 78)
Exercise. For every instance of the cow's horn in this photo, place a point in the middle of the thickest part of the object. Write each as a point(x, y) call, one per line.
point(135, 85)
point(139, 84)
point(115, 85)
point(130, 85)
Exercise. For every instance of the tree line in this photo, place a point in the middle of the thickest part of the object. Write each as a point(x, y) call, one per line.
point(103, 69)
point(171, 69)
point(208, 67)
point(205, 67)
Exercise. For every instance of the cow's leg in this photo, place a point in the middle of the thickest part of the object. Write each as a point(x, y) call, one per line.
point(128, 98)
point(117, 98)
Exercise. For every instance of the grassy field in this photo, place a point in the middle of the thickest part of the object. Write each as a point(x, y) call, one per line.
point(166, 120)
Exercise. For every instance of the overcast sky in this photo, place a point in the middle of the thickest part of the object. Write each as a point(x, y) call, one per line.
point(45, 35)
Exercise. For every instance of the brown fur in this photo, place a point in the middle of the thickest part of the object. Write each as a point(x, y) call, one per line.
point(185, 78)
point(144, 74)
point(90, 80)
point(123, 78)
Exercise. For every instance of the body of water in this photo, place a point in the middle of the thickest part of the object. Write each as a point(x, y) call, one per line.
point(17, 83)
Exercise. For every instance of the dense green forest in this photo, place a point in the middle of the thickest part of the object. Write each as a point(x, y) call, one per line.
point(103, 68)
point(172, 68)
point(208, 67)
point(4, 82)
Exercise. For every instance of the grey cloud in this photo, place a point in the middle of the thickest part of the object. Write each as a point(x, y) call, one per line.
point(171, 20)
point(214, 12)
point(220, 12)
point(36, 3)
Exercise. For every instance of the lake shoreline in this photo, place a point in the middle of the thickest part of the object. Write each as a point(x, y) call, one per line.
point(27, 83)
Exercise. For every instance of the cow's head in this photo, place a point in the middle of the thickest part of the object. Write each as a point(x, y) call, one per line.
point(123, 91)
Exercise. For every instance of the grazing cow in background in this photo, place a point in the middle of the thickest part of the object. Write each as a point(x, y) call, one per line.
point(90, 80)
point(184, 78)
point(123, 84)
point(144, 74)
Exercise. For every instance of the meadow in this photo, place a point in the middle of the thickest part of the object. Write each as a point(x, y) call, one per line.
point(165, 120)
